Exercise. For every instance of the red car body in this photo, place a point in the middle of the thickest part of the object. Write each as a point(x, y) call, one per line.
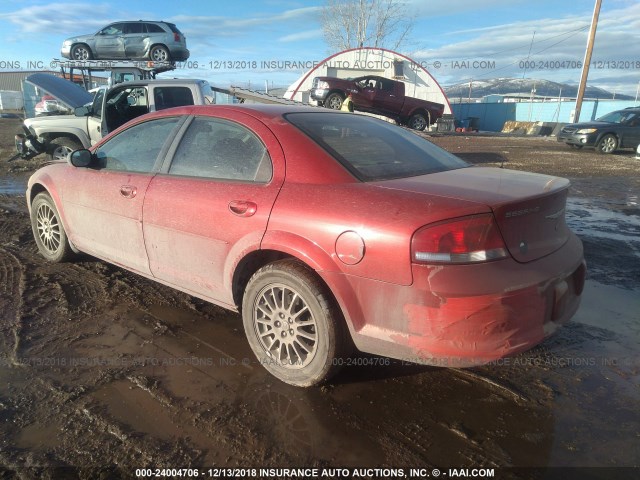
point(361, 239)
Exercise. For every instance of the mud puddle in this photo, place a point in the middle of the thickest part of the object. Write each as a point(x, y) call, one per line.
point(14, 184)
point(173, 385)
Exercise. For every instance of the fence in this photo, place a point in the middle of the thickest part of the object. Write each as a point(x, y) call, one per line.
point(491, 116)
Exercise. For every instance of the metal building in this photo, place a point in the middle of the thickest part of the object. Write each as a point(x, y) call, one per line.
point(419, 83)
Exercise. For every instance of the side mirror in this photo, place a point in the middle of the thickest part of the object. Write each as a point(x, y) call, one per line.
point(81, 158)
point(82, 111)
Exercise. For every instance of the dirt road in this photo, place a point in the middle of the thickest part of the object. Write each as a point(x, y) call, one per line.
point(106, 372)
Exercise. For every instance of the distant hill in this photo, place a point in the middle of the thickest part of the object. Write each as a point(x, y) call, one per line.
point(544, 88)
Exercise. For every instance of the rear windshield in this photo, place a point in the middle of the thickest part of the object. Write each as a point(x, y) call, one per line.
point(372, 149)
point(173, 28)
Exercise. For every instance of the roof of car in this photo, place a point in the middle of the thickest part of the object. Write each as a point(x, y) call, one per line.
point(258, 110)
point(160, 81)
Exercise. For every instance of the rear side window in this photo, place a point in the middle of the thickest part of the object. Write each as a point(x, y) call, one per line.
point(214, 148)
point(132, 28)
point(167, 97)
point(153, 28)
point(373, 149)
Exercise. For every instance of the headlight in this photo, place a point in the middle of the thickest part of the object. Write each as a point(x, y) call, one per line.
point(322, 85)
point(586, 130)
point(67, 42)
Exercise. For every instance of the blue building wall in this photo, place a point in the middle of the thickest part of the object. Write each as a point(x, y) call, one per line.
point(491, 116)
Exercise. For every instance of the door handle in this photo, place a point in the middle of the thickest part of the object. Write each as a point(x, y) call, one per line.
point(242, 208)
point(128, 191)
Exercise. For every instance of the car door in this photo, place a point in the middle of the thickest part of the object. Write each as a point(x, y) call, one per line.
point(94, 120)
point(110, 41)
point(103, 203)
point(385, 99)
point(366, 92)
point(631, 131)
point(211, 203)
point(134, 39)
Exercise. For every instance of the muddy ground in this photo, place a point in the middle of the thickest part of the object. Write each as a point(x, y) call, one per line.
point(107, 372)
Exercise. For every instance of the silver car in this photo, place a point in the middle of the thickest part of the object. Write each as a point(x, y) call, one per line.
point(157, 41)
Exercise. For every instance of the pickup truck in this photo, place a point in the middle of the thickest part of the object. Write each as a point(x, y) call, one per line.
point(94, 117)
point(378, 95)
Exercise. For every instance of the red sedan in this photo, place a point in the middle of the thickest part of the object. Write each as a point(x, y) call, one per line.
point(325, 229)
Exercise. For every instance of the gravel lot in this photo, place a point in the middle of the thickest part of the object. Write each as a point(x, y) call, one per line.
point(103, 372)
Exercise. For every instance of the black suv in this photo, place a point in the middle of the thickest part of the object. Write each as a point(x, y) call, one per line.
point(619, 129)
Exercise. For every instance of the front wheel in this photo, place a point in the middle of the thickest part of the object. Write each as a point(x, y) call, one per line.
point(334, 101)
point(607, 144)
point(293, 325)
point(81, 52)
point(60, 148)
point(48, 230)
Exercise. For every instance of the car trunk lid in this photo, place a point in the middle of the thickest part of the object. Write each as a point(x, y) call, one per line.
point(529, 208)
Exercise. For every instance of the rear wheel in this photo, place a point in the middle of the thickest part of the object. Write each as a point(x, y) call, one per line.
point(160, 53)
point(334, 101)
point(48, 230)
point(607, 144)
point(293, 325)
point(418, 121)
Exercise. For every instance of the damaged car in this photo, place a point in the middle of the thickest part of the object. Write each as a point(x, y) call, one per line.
point(325, 230)
point(91, 116)
point(136, 40)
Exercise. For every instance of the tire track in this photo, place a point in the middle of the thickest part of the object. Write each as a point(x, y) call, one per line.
point(12, 288)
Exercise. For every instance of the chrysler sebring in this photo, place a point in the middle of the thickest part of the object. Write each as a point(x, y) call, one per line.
point(326, 230)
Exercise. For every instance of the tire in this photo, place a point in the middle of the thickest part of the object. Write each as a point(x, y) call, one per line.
point(159, 53)
point(48, 231)
point(607, 144)
point(334, 101)
point(81, 52)
point(418, 121)
point(60, 148)
point(302, 349)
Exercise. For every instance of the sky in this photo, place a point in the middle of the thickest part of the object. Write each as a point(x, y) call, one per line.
point(249, 43)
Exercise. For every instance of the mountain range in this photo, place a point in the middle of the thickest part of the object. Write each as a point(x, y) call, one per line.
point(523, 86)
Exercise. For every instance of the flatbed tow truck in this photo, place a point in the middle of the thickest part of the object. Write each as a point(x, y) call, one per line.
point(119, 70)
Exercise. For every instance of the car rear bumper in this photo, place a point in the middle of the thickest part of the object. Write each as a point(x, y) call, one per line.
point(319, 94)
point(466, 315)
point(179, 54)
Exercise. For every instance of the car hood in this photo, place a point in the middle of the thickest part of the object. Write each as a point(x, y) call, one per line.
point(63, 90)
point(80, 38)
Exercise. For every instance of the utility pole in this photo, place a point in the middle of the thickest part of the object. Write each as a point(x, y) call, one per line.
point(587, 60)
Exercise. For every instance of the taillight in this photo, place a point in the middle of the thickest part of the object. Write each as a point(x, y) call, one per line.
point(466, 240)
point(176, 36)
